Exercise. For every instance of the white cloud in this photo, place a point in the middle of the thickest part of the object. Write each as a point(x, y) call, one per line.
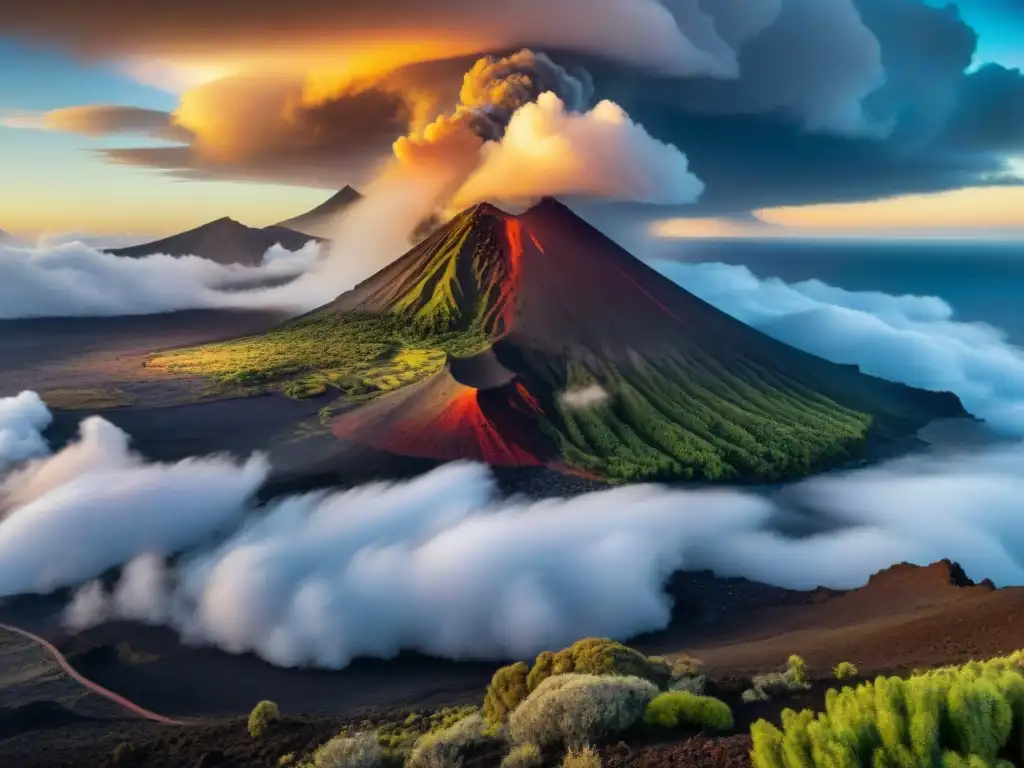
point(22, 420)
point(75, 280)
point(911, 339)
point(585, 397)
point(549, 150)
point(95, 505)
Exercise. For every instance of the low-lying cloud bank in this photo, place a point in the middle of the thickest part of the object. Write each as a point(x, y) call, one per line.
point(915, 340)
point(443, 565)
point(76, 280)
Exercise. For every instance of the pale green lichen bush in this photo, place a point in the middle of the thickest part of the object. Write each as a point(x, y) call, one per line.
point(765, 686)
point(359, 751)
point(447, 748)
point(572, 710)
point(953, 717)
point(524, 756)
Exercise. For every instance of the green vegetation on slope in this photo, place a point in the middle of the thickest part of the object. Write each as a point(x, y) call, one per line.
point(359, 355)
point(662, 422)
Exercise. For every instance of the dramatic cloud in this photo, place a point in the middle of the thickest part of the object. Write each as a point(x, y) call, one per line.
point(774, 102)
point(548, 150)
point(98, 120)
point(912, 339)
point(363, 34)
point(75, 280)
point(991, 114)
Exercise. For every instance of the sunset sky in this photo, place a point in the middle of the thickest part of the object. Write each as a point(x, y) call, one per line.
point(885, 117)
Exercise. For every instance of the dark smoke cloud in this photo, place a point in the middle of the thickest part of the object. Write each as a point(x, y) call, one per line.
point(775, 102)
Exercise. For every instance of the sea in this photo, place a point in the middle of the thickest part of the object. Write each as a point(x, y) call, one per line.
point(983, 281)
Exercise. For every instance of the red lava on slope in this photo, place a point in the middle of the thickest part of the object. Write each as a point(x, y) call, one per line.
point(444, 419)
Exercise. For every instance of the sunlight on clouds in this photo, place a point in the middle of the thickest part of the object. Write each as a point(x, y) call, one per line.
point(972, 208)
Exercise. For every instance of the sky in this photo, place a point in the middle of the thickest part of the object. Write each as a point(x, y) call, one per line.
point(799, 117)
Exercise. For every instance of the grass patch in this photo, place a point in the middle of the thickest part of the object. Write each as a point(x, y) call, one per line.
point(360, 355)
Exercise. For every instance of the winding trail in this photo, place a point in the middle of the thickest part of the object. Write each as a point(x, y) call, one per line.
point(121, 701)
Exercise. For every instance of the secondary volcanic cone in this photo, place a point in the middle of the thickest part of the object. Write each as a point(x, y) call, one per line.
point(588, 357)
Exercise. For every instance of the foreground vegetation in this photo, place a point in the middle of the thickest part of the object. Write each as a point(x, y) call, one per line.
point(563, 707)
point(956, 716)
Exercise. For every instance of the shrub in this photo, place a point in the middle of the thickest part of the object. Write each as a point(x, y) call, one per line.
point(796, 668)
point(751, 695)
point(599, 656)
point(582, 758)
point(575, 709)
point(591, 656)
point(774, 683)
point(524, 756)
point(287, 759)
point(844, 670)
point(448, 747)
point(359, 751)
point(262, 715)
point(507, 689)
point(681, 709)
point(680, 666)
point(953, 716)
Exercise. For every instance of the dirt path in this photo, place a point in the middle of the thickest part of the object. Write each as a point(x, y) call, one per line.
point(86, 682)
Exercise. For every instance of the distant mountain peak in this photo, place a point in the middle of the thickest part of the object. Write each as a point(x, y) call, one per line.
point(223, 240)
point(318, 220)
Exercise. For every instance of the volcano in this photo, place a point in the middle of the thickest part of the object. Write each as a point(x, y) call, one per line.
point(584, 357)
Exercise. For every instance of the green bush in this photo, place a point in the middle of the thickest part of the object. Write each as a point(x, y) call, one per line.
point(524, 756)
point(681, 709)
point(507, 689)
point(587, 757)
point(448, 747)
point(262, 715)
point(572, 710)
point(359, 751)
point(953, 717)
point(844, 670)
